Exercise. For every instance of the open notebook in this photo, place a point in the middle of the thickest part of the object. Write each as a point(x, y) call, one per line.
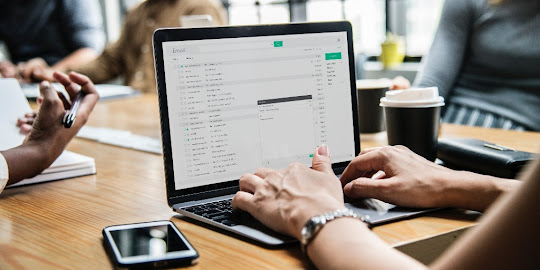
point(13, 104)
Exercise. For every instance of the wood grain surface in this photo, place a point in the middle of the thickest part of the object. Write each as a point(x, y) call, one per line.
point(58, 225)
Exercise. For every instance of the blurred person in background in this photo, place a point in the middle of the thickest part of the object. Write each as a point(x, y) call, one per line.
point(485, 61)
point(42, 36)
point(131, 56)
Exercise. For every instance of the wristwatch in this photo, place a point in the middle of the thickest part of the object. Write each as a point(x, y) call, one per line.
point(314, 224)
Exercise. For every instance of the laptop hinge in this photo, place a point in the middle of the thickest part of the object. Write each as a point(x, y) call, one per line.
point(204, 201)
point(203, 195)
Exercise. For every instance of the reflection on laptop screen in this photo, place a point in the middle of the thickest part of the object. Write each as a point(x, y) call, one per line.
point(238, 104)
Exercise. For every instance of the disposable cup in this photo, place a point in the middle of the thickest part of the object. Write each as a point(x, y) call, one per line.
point(413, 119)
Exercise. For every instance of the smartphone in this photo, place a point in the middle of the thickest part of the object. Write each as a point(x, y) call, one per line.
point(156, 244)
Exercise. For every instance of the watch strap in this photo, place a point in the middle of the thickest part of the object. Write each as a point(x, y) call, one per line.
point(315, 224)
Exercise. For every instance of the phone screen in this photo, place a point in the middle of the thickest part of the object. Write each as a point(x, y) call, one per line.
point(155, 241)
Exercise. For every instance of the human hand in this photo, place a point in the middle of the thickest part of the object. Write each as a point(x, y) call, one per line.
point(35, 70)
point(47, 130)
point(25, 123)
point(285, 200)
point(399, 83)
point(407, 179)
point(8, 69)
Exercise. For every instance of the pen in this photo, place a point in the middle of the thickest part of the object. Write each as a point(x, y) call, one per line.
point(69, 117)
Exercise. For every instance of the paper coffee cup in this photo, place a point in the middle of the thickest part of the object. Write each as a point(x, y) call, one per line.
point(370, 114)
point(413, 119)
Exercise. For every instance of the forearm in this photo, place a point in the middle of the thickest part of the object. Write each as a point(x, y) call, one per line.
point(27, 160)
point(507, 235)
point(75, 59)
point(347, 243)
point(473, 191)
point(442, 65)
point(105, 67)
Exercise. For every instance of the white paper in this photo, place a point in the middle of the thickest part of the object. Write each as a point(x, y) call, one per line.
point(121, 138)
point(67, 165)
point(13, 105)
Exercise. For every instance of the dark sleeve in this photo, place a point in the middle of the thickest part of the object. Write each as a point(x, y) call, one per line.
point(83, 24)
point(442, 65)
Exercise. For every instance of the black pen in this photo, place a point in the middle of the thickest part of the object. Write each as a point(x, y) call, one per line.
point(69, 117)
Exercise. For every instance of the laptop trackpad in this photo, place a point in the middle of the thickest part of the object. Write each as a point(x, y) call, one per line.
point(376, 211)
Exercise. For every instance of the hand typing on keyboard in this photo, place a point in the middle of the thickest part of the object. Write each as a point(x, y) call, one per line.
point(285, 200)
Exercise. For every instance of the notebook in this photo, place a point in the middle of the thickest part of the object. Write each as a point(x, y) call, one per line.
point(13, 105)
point(234, 99)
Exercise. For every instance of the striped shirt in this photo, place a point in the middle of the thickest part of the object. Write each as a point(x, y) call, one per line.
point(466, 116)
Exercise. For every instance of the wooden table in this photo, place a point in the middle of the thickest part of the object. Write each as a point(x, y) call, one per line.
point(58, 225)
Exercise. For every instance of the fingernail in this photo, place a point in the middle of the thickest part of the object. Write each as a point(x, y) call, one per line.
point(45, 84)
point(377, 175)
point(323, 151)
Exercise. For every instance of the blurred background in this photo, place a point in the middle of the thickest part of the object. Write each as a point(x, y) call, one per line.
point(414, 20)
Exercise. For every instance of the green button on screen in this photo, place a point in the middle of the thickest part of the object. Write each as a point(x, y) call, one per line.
point(333, 56)
point(311, 155)
point(278, 43)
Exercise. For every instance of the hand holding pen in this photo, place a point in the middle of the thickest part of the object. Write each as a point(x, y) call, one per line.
point(48, 136)
point(71, 114)
point(79, 88)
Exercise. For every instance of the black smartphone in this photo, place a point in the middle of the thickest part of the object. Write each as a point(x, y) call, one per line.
point(156, 244)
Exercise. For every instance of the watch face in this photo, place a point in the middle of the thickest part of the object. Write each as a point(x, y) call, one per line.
point(309, 226)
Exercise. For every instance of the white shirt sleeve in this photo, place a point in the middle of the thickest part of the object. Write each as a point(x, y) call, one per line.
point(4, 173)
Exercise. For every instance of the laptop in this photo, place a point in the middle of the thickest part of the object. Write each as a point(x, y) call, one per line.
point(234, 99)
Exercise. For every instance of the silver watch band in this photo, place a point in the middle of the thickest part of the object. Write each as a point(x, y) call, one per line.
point(314, 224)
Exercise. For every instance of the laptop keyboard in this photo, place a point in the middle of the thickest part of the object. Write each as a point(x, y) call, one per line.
point(222, 212)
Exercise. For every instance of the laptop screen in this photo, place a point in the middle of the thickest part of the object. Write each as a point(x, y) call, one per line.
point(238, 104)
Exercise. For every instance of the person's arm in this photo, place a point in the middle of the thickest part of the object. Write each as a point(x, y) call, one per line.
point(507, 236)
point(111, 63)
point(48, 137)
point(83, 28)
point(37, 69)
point(107, 66)
point(442, 65)
point(286, 200)
point(76, 58)
point(347, 243)
point(8, 69)
point(412, 181)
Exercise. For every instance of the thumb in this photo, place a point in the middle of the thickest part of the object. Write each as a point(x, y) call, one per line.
point(321, 160)
point(47, 91)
